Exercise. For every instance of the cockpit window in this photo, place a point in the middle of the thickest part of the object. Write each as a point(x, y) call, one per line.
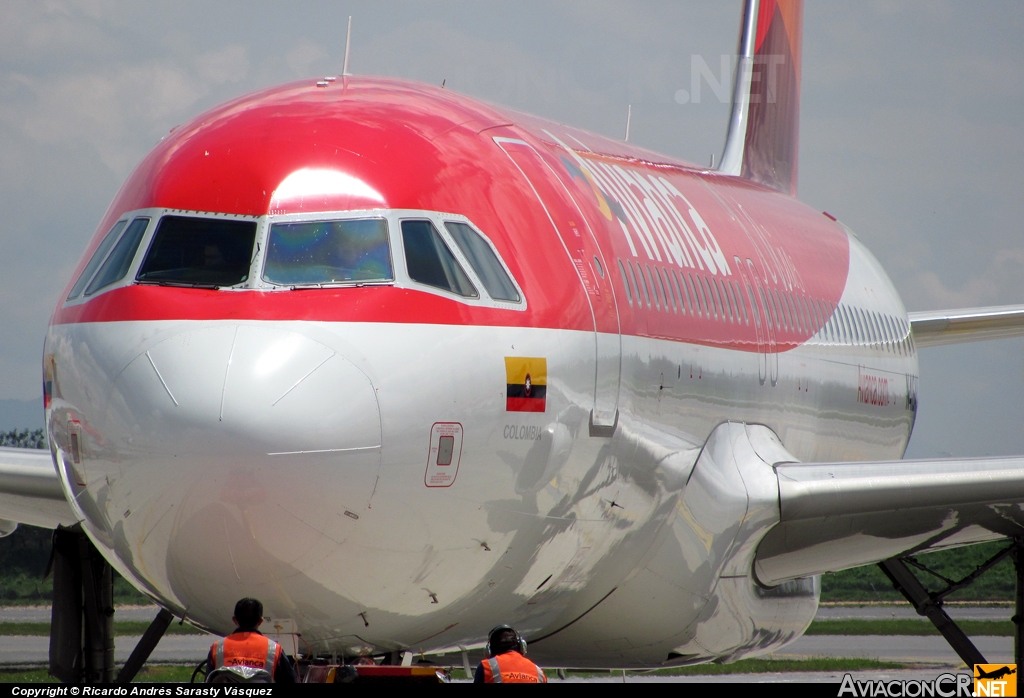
point(328, 252)
point(116, 265)
point(484, 262)
point(97, 257)
point(206, 252)
point(430, 262)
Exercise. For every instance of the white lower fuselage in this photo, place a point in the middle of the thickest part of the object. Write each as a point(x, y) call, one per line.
point(291, 461)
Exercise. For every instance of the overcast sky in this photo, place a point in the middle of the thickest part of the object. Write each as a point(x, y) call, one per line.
point(912, 132)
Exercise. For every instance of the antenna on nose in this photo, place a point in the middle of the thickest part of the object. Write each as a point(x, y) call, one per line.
point(629, 115)
point(348, 41)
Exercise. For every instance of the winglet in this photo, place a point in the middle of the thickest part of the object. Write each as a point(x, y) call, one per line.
point(764, 125)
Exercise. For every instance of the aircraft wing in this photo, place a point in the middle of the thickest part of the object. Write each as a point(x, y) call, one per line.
point(840, 515)
point(30, 491)
point(936, 327)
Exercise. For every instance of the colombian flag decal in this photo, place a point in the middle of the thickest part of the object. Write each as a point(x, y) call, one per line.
point(526, 384)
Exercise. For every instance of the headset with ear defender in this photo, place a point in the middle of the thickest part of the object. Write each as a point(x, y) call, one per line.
point(520, 642)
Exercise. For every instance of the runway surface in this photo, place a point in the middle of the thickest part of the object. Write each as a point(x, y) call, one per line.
point(931, 651)
point(789, 677)
point(896, 648)
point(906, 612)
point(907, 649)
point(186, 649)
point(41, 614)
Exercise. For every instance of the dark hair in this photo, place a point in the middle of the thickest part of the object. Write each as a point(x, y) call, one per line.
point(248, 612)
point(504, 639)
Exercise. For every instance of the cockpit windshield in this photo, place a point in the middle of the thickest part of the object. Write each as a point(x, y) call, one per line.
point(328, 252)
point(192, 251)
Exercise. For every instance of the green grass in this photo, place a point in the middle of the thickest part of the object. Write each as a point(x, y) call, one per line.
point(123, 628)
point(23, 558)
point(772, 666)
point(744, 666)
point(155, 673)
point(178, 673)
point(1002, 628)
point(869, 584)
point(30, 589)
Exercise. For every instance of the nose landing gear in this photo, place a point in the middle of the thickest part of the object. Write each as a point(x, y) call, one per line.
point(83, 599)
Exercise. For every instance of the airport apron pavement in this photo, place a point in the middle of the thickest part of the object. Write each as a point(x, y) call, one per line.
point(926, 649)
point(909, 649)
point(183, 649)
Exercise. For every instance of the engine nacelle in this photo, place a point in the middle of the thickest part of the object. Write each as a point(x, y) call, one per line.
point(725, 507)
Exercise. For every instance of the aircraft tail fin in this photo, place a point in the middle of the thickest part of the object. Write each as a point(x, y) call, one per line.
point(764, 125)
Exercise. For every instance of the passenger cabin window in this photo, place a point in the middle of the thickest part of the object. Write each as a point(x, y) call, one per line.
point(698, 295)
point(625, 283)
point(316, 253)
point(673, 293)
point(785, 300)
point(429, 261)
point(484, 262)
point(199, 252)
point(737, 297)
point(705, 297)
point(680, 300)
point(684, 293)
point(723, 288)
point(789, 318)
point(641, 288)
point(651, 279)
point(121, 257)
point(98, 256)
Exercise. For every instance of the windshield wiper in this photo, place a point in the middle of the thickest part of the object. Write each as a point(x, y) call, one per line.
point(178, 284)
point(337, 284)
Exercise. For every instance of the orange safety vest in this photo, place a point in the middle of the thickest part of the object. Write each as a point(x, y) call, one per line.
point(512, 667)
point(246, 649)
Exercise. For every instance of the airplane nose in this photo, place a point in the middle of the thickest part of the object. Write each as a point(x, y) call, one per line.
point(245, 454)
point(248, 389)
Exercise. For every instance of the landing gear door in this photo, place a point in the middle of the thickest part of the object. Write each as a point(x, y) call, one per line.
point(592, 269)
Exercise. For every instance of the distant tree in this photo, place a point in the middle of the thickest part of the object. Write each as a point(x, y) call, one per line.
point(23, 438)
point(25, 553)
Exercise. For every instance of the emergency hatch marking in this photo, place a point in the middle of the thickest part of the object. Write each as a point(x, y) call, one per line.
point(526, 384)
point(444, 454)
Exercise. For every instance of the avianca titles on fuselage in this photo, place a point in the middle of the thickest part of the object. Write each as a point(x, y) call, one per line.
point(400, 364)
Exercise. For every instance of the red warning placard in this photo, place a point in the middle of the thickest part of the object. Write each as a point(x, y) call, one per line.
point(444, 454)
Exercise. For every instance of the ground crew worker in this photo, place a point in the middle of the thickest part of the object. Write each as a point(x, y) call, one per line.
point(506, 661)
point(246, 655)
